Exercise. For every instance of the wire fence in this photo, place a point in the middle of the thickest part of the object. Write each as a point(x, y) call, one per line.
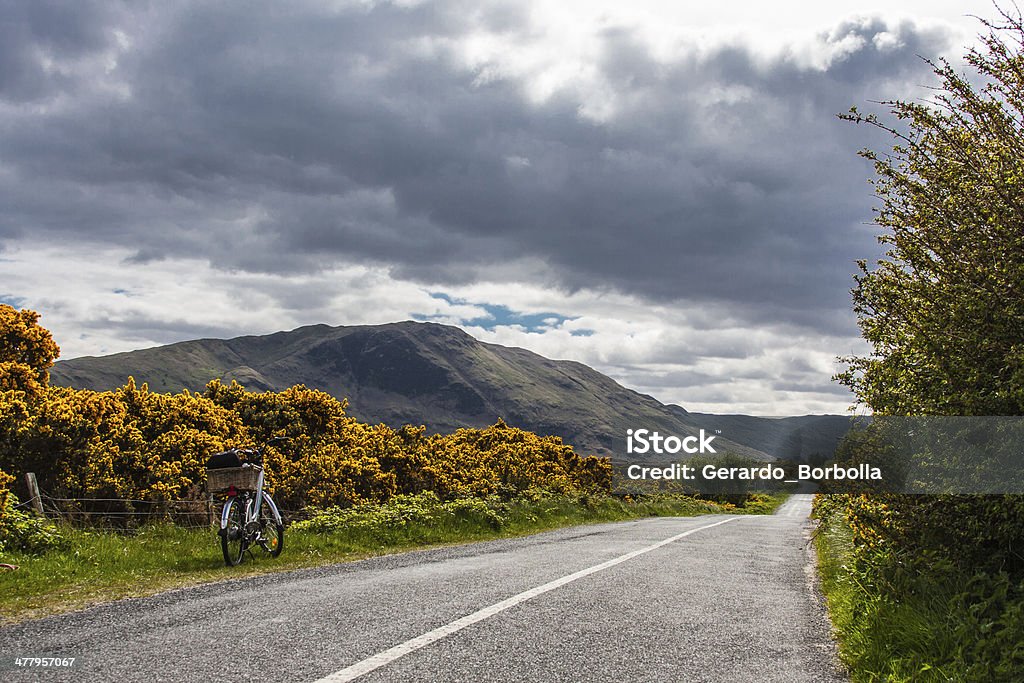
point(26, 504)
point(133, 513)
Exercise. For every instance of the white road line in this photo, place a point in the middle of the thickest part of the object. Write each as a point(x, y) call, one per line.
point(387, 656)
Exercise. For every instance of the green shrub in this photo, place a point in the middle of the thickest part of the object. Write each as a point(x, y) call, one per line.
point(408, 511)
point(20, 531)
point(913, 614)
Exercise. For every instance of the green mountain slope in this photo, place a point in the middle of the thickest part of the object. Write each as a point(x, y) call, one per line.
point(439, 376)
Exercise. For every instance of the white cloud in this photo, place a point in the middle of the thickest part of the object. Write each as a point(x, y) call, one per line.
point(704, 362)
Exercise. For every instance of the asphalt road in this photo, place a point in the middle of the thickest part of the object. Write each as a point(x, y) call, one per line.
point(714, 598)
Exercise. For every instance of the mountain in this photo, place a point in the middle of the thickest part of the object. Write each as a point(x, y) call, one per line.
point(439, 376)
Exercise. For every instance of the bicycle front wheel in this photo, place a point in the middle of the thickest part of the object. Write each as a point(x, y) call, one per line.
point(232, 536)
point(271, 531)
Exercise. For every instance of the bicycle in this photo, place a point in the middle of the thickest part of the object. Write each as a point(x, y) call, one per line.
point(249, 517)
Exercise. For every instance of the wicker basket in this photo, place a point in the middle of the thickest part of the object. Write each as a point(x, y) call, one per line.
point(242, 478)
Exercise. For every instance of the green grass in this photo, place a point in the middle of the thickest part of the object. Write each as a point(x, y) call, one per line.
point(100, 566)
point(938, 626)
point(879, 639)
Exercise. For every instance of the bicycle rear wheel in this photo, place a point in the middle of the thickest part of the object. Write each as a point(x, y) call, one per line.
point(232, 536)
point(271, 531)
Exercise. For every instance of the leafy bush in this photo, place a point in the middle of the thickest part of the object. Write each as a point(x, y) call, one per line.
point(407, 511)
point(20, 531)
point(131, 443)
point(909, 612)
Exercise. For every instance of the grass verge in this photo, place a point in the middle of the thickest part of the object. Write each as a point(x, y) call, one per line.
point(92, 567)
point(933, 625)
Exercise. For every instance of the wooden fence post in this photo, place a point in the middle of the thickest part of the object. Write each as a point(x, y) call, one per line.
point(33, 491)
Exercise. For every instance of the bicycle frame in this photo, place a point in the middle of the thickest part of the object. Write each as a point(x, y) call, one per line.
point(252, 510)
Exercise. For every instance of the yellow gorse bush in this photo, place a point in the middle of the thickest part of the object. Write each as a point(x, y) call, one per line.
point(131, 443)
point(6, 480)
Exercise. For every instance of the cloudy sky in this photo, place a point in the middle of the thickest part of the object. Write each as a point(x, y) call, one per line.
point(658, 189)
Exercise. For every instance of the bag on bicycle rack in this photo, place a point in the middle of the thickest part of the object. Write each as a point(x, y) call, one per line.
point(223, 459)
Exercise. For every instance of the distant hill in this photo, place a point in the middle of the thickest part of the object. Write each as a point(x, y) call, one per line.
point(441, 377)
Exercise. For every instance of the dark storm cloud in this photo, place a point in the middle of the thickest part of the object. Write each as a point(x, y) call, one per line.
point(40, 39)
point(282, 139)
